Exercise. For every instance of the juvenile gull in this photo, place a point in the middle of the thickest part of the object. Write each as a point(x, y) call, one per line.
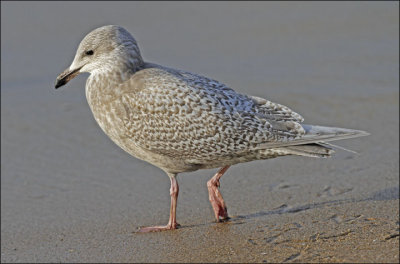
point(182, 122)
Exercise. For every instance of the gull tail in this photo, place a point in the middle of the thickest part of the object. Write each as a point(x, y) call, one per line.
point(325, 134)
point(309, 150)
point(325, 144)
point(314, 142)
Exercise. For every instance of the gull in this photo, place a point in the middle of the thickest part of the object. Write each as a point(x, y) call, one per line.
point(183, 122)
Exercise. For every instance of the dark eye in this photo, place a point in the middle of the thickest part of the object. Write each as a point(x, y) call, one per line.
point(89, 52)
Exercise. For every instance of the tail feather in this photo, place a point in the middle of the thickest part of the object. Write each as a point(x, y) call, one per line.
point(338, 147)
point(316, 134)
point(310, 150)
point(325, 134)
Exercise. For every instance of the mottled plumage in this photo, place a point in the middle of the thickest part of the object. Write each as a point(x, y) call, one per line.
point(180, 121)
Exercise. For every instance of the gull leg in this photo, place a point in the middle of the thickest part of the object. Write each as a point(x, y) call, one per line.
point(215, 197)
point(172, 224)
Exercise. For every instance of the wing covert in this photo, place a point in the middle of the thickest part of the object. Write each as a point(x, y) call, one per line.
point(192, 117)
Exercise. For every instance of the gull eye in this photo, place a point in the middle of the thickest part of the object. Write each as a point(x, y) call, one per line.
point(89, 52)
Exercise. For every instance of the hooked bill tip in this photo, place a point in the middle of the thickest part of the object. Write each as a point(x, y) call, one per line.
point(59, 83)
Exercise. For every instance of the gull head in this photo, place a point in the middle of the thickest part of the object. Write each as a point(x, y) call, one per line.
point(104, 49)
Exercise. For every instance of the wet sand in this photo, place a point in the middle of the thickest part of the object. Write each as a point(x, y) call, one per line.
point(68, 194)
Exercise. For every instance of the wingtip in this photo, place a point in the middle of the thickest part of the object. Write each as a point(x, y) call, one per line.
point(363, 133)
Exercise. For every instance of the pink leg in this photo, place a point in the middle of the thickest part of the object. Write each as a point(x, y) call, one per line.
point(172, 224)
point(215, 196)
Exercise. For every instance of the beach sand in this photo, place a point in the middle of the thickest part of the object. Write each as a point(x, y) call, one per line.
point(69, 194)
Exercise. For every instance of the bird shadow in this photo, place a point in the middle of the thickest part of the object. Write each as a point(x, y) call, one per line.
point(391, 193)
point(382, 195)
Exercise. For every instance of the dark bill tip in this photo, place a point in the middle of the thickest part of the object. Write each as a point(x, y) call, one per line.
point(65, 77)
point(60, 83)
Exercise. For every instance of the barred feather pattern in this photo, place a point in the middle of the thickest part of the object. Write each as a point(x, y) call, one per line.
point(170, 117)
